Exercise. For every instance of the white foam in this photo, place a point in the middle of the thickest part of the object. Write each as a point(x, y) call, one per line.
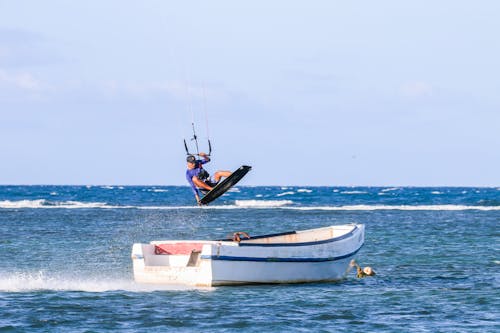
point(35, 281)
point(304, 190)
point(436, 192)
point(400, 207)
point(234, 190)
point(157, 190)
point(239, 204)
point(390, 189)
point(262, 203)
point(284, 204)
point(353, 192)
point(285, 193)
point(42, 203)
point(256, 205)
point(22, 204)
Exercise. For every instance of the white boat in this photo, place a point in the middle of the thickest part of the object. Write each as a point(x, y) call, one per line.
point(313, 255)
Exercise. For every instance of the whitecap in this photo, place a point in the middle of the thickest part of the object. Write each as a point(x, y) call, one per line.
point(262, 203)
point(353, 192)
point(337, 208)
point(398, 207)
point(22, 203)
point(304, 190)
point(390, 189)
point(284, 204)
point(285, 193)
point(239, 204)
point(157, 190)
point(78, 204)
point(42, 203)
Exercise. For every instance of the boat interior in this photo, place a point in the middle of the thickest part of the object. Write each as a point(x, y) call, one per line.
point(306, 236)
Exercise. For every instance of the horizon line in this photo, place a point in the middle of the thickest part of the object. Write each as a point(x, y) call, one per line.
point(267, 185)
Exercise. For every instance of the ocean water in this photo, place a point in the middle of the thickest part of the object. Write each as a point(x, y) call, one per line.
point(65, 260)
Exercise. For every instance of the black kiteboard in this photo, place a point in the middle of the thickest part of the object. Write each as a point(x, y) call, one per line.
point(225, 185)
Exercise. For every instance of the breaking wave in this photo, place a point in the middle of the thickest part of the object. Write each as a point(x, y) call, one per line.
point(399, 207)
point(285, 193)
point(262, 203)
point(155, 190)
point(238, 204)
point(42, 203)
point(354, 192)
point(390, 189)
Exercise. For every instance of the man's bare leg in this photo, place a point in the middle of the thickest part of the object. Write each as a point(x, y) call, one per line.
point(219, 174)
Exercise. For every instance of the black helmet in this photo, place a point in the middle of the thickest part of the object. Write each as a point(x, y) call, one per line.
point(191, 159)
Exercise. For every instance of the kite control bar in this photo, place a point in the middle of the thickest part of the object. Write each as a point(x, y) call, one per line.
point(195, 139)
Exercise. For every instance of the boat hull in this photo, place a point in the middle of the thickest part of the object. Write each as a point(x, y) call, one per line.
point(315, 255)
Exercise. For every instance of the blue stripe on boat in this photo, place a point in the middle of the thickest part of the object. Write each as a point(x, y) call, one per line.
point(269, 259)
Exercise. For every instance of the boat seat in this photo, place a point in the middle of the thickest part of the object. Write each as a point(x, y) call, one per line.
point(194, 259)
point(178, 248)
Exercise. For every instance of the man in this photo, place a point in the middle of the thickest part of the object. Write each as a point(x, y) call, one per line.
point(198, 177)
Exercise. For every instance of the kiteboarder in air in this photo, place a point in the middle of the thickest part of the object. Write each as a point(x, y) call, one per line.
point(198, 177)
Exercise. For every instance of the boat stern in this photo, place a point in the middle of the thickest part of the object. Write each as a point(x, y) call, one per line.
point(181, 266)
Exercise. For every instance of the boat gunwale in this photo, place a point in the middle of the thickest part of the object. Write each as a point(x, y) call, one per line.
point(328, 240)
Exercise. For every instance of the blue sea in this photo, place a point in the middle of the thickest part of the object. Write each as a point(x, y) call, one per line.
point(65, 261)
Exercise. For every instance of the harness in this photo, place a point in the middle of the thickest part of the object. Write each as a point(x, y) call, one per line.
point(203, 174)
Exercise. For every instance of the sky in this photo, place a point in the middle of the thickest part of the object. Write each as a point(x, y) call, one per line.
point(322, 93)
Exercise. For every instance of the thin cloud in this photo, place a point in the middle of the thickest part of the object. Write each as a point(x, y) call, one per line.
point(416, 89)
point(22, 80)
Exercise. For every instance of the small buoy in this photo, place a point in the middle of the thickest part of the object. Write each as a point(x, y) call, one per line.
point(368, 271)
point(361, 272)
